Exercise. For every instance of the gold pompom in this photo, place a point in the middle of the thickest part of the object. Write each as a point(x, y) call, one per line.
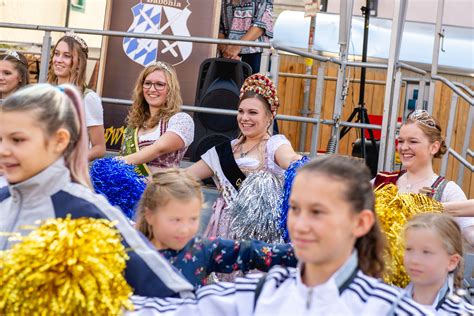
point(393, 211)
point(65, 267)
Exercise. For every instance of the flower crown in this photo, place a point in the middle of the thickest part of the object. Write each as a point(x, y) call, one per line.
point(14, 54)
point(79, 40)
point(161, 65)
point(263, 86)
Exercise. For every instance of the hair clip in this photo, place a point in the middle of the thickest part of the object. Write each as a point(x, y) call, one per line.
point(161, 64)
point(423, 117)
point(14, 54)
point(79, 40)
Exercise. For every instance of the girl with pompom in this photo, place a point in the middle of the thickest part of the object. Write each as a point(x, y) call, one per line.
point(419, 142)
point(68, 64)
point(168, 214)
point(434, 261)
point(43, 150)
point(158, 133)
point(255, 160)
point(339, 246)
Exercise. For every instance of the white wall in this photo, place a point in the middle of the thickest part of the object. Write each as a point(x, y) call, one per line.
point(49, 12)
point(456, 12)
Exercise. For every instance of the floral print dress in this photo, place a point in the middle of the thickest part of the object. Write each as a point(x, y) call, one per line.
point(200, 257)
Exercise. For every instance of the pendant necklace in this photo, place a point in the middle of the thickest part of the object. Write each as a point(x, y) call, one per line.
point(408, 186)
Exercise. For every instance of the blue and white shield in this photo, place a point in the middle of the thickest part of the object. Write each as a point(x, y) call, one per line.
point(157, 19)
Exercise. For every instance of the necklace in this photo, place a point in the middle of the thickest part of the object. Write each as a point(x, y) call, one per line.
point(408, 185)
point(243, 154)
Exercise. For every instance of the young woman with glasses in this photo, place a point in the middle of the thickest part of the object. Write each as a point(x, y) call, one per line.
point(157, 133)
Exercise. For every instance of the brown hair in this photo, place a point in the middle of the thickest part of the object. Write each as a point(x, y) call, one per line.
point(253, 95)
point(55, 108)
point(78, 65)
point(166, 184)
point(20, 64)
point(448, 232)
point(140, 111)
point(430, 127)
point(355, 176)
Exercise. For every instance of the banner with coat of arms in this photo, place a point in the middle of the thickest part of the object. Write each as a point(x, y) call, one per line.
point(124, 57)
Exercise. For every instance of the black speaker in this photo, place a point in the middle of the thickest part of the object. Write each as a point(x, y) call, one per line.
point(218, 86)
point(372, 156)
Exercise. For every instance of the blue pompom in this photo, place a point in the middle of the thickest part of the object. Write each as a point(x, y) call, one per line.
point(289, 177)
point(119, 183)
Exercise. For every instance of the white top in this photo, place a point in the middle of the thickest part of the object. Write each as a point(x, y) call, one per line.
point(94, 112)
point(347, 292)
point(228, 191)
point(452, 193)
point(3, 181)
point(181, 124)
point(273, 144)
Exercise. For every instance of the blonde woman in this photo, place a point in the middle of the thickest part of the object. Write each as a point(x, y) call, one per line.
point(157, 133)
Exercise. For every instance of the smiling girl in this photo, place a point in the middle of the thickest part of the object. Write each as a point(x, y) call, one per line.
point(43, 148)
point(254, 150)
point(68, 65)
point(13, 72)
point(158, 133)
point(419, 142)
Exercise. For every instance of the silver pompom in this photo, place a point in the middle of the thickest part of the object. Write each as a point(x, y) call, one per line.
point(255, 211)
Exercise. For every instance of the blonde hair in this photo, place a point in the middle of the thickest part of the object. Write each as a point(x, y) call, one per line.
point(430, 127)
point(78, 65)
point(448, 232)
point(55, 108)
point(140, 111)
point(165, 185)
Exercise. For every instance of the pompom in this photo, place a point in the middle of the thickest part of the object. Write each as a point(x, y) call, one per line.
point(289, 177)
point(254, 212)
point(119, 183)
point(393, 211)
point(65, 267)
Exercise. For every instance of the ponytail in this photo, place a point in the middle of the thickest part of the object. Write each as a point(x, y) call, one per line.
point(76, 156)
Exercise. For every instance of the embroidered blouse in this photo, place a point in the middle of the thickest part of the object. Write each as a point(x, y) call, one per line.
point(237, 19)
point(182, 125)
point(200, 257)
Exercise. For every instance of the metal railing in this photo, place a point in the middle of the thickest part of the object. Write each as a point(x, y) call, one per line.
point(273, 46)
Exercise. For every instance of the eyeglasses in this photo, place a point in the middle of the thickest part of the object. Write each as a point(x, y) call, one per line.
point(159, 86)
point(423, 117)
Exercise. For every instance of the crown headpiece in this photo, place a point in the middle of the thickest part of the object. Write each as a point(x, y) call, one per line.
point(262, 85)
point(79, 40)
point(423, 117)
point(14, 54)
point(161, 65)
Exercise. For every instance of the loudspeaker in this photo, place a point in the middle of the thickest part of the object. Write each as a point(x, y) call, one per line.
point(218, 86)
point(372, 157)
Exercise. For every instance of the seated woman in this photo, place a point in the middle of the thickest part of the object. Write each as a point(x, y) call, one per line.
point(68, 65)
point(254, 150)
point(157, 134)
point(419, 142)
